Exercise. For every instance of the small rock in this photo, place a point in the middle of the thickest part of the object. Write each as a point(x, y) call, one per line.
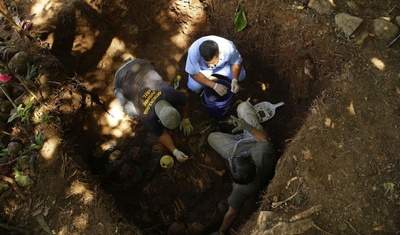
point(347, 23)
point(321, 6)
point(13, 148)
point(23, 162)
point(8, 52)
point(19, 63)
point(397, 20)
point(384, 29)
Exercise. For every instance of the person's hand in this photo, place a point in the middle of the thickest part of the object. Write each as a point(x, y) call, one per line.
point(180, 156)
point(186, 127)
point(220, 89)
point(241, 125)
point(234, 86)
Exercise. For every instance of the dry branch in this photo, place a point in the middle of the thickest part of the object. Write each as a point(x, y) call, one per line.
point(13, 184)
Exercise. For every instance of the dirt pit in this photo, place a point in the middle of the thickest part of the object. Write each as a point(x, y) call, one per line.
point(337, 152)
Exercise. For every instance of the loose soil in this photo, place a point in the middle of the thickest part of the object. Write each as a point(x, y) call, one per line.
point(337, 134)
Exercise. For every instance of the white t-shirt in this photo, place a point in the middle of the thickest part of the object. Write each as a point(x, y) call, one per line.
point(229, 55)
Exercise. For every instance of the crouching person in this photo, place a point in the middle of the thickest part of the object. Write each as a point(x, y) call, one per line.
point(251, 160)
point(143, 94)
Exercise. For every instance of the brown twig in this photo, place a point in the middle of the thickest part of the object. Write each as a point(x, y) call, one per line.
point(21, 80)
point(8, 97)
point(14, 184)
point(351, 226)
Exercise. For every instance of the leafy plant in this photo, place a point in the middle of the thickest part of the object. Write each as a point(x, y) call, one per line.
point(389, 188)
point(39, 141)
point(32, 72)
point(21, 178)
point(240, 20)
point(37, 145)
point(4, 152)
point(46, 118)
point(22, 113)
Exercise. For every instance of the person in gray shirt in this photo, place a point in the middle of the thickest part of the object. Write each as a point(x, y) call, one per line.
point(251, 159)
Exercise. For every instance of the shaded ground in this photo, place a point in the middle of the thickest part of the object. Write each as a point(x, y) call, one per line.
point(337, 133)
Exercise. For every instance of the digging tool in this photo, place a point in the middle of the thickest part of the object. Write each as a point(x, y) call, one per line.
point(393, 41)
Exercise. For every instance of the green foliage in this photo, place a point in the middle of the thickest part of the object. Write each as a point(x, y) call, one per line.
point(3, 186)
point(22, 113)
point(21, 179)
point(37, 145)
point(46, 118)
point(32, 72)
point(240, 20)
point(39, 141)
point(389, 188)
point(4, 152)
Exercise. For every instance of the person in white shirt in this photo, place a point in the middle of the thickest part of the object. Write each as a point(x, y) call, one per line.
point(211, 55)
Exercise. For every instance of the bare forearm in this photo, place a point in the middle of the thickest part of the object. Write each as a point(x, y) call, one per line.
point(200, 78)
point(259, 135)
point(228, 219)
point(236, 68)
point(166, 140)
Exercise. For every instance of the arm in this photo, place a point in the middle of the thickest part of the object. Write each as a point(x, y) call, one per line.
point(200, 78)
point(236, 68)
point(259, 135)
point(241, 124)
point(185, 109)
point(230, 215)
point(166, 140)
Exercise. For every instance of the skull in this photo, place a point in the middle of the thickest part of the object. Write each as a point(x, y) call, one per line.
point(167, 161)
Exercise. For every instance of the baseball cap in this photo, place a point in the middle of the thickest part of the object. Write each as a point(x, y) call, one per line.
point(167, 114)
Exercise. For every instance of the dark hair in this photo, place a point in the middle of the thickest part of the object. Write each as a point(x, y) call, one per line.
point(242, 168)
point(208, 49)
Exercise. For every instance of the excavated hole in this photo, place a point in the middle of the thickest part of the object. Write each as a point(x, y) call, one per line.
point(154, 198)
point(191, 195)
